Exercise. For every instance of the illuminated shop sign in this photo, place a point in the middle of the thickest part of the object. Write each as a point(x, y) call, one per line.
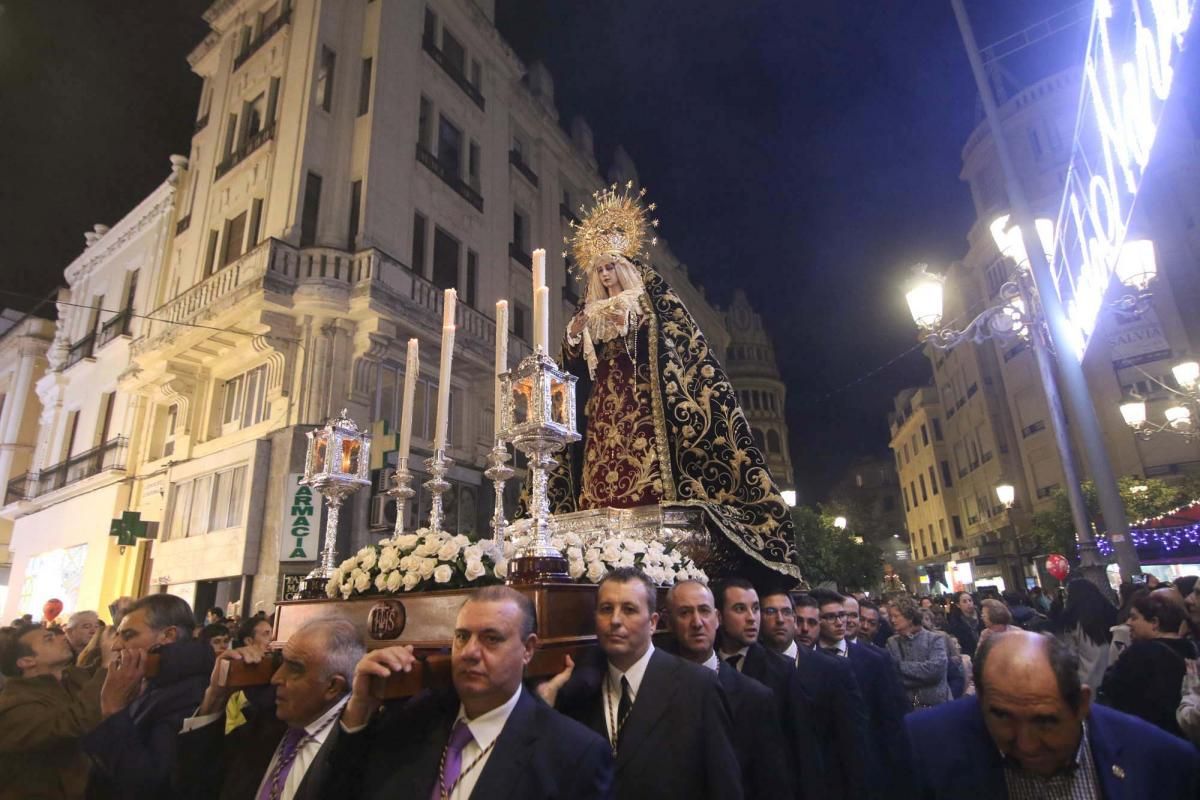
point(1132, 53)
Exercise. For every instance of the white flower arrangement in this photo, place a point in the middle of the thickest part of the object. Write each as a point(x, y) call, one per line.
point(425, 561)
point(418, 561)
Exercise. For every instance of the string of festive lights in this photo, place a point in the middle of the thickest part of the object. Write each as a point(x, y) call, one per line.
point(1162, 540)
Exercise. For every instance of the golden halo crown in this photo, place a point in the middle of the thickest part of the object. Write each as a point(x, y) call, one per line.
point(617, 224)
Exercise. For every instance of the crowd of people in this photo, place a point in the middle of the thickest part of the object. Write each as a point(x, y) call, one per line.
point(727, 691)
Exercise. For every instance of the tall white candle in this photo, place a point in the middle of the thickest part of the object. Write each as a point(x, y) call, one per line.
point(412, 370)
point(443, 404)
point(539, 269)
point(501, 352)
point(541, 319)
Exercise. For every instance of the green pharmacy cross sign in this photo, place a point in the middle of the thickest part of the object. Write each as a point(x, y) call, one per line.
point(128, 528)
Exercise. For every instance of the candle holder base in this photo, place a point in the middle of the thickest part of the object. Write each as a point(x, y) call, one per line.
point(538, 569)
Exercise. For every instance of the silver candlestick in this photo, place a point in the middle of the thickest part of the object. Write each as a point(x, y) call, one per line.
point(498, 472)
point(538, 417)
point(402, 491)
point(437, 484)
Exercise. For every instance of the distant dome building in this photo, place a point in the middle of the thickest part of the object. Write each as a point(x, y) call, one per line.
point(752, 369)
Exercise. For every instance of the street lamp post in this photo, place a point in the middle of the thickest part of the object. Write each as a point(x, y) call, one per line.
point(1006, 493)
point(1057, 325)
point(1181, 418)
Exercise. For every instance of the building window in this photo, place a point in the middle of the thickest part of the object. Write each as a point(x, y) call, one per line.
point(956, 522)
point(773, 443)
point(445, 259)
point(325, 79)
point(235, 236)
point(208, 503)
point(254, 114)
point(520, 231)
point(947, 480)
point(924, 436)
point(210, 253)
point(430, 32)
point(924, 491)
point(906, 458)
point(520, 321)
point(418, 247)
point(256, 207)
point(449, 153)
point(453, 52)
point(912, 487)
point(933, 480)
point(473, 165)
point(472, 277)
point(907, 504)
point(937, 428)
point(244, 400)
point(312, 210)
point(355, 211)
point(364, 88)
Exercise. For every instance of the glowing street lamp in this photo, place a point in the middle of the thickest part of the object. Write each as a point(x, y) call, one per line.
point(1180, 415)
point(1187, 374)
point(1135, 266)
point(839, 523)
point(789, 497)
point(1006, 493)
point(925, 299)
point(1134, 413)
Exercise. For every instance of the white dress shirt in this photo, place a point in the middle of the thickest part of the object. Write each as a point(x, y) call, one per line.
point(713, 662)
point(792, 652)
point(612, 687)
point(318, 731)
point(485, 729)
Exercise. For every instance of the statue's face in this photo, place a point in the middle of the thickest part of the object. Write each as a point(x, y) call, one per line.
point(608, 277)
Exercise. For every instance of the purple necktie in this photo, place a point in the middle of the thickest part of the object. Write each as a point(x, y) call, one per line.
point(273, 788)
point(460, 737)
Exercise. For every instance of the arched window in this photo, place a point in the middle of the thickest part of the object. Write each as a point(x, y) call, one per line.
point(758, 440)
point(773, 441)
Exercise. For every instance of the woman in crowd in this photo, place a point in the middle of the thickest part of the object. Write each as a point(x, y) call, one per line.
point(964, 623)
point(919, 655)
point(1146, 680)
point(996, 619)
point(1085, 624)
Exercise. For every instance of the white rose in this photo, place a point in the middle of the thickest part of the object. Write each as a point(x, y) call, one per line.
point(389, 559)
point(573, 540)
point(428, 565)
point(636, 545)
point(473, 552)
point(394, 580)
point(381, 581)
point(501, 568)
point(592, 554)
point(575, 554)
point(348, 564)
point(347, 590)
point(461, 540)
point(475, 569)
point(595, 571)
point(332, 588)
point(407, 542)
point(626, 560)
point(611, 552)
point(411, 580)
point(338, 576)
point(409, 563)
point(362, 581)
point(575, 569)
point(443, 574)
point(448, 552)
point(655, 547)
point(367, 557)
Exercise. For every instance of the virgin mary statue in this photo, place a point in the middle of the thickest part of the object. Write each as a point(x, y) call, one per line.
point(661, 423)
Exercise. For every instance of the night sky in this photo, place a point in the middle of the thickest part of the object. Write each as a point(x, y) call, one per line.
point(807, 152)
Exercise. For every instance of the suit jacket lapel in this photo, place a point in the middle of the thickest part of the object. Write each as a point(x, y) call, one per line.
point(514, 748)
point(653, 699)
point(1106, 758)
point(310, 787)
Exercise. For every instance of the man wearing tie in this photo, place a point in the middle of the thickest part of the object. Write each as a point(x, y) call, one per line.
point(281, 754)
point(488, 738)
point(740, 615)
point(665, 718)
point(757, 731)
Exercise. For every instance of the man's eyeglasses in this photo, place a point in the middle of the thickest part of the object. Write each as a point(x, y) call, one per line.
point(782, 613)
point(833, 615)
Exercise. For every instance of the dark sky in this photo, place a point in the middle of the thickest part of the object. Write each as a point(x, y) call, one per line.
point(807, 152)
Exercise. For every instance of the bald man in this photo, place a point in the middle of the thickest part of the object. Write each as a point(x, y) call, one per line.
point(1032, 731)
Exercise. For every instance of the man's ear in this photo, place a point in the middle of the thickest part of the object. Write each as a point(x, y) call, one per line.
point(170, 635)
point(654, 621)
point(1085, 701)
point(531, 643)
point(26, 662)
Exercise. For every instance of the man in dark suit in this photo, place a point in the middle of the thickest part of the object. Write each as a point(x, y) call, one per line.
point(826, 713)
point(1032, 731)
point(741, 619)
point(665, 718)
point(282, 751)
point(879, 681)
point(758, 734)
point(488, 738)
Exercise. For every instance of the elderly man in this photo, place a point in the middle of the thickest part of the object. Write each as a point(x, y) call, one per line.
point(46, 706)
point(134, 747)
point(757, 730)
point(488, 737)
point(80, 628)
point(284, 755)
point(1032, 731)
point(665, 718)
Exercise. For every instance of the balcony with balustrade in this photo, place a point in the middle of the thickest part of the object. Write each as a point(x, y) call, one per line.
point(107, 457)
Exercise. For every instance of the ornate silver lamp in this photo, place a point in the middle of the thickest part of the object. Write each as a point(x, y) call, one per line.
point(538, 417)
point(337, 464)
point(401, 491)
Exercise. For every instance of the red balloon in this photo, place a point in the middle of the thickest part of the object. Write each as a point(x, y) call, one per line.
point(1058, 566)
point(52, 608)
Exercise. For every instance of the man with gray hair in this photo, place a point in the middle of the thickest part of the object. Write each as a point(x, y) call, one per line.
point(80, 628)
point(282, 755)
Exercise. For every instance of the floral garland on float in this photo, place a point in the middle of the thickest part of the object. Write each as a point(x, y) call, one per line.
point(426, 561)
